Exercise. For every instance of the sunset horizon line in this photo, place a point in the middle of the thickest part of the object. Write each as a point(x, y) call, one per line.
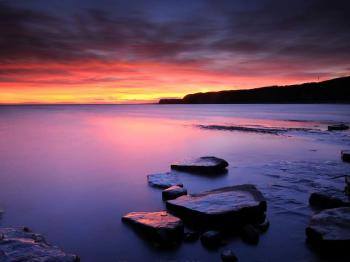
point(153, 101)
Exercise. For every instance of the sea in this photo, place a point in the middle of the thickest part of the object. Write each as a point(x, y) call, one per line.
point(70, 172)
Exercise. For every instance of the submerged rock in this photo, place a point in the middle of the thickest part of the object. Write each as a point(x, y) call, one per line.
point(330, 228)
point(338, 127)
point(324, 200)
point(206, 164)
point(226, 207)
point(173, 192)
point(228, 256)
point(160, 226)
point(164, 180)
point(345, 155)
point(212, 239)
point(17, 244)
point(250, 234)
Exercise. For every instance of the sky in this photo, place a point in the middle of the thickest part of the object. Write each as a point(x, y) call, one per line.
point(89, 51)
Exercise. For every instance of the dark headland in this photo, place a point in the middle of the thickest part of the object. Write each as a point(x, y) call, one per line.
point(331, 91)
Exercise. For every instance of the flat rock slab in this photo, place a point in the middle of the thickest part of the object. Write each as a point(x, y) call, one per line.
point(19, 244)
point(338, 127)
point(224, 207)
point(206, 164)
point(330, 228)
point(164, 180)
point(345, 155)
point(325, 200)
point(173, 192)
point(160, 226)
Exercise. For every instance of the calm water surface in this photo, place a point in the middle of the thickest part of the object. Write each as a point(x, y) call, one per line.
point(71, 172)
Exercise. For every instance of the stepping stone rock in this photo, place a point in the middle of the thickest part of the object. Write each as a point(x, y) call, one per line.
point(264, 226)
point(164, 180)
point(160, 226)
point(250, 234)
point(324, 200)
point(191, 236)
point(17, 244)
point(212, 239)
point(345, 155)
point(173, 192)
point(330, 228)
point(225, 207)
point(228, 256)
point(338, 127)
point(206, 164)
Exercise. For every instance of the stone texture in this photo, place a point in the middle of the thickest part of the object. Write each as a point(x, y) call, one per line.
point(173, 192)
point(206, 164)
point(264, 226)
point(212, 239)
point(250, 234)
point(325, 200)
point(224, 207)
point(160, 226)
point(345, 155)
point(164, 180)
point(228, 255)
point(19, 244)
point(191, 236)
point(330, 228)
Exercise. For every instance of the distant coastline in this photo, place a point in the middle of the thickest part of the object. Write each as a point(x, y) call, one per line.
point(330, 91)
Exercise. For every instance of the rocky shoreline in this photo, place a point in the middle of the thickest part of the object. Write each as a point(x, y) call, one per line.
point(212, 217)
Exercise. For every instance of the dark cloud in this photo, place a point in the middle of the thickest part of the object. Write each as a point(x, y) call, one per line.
point(217, 35)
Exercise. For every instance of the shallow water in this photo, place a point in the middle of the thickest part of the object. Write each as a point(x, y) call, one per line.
point(71, 172)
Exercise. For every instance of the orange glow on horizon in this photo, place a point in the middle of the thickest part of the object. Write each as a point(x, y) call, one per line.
point(119, 82)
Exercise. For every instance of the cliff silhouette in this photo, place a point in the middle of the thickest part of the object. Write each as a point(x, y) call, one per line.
point(330, 91)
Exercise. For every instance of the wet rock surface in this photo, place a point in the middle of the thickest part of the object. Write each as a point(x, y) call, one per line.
point(257, 129)
point(191, 236)
point(264, 226)
point(212, 239)
point(160, 226)
point(164, 180)
point(325, 200)
point(19, 244)
point(206, 164)
point(173, 192)
point(330, 228)
point(345, 155)
point(338, 127)
point(228, 255)
point(250, 234)
point(224, 207)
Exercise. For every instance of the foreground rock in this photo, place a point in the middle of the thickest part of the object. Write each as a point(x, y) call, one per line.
point(164, 180)
point(212, 239)
point(191, 236)
point(327, 200)
point(173, 192)
point(264, 226)
point(338, 127)
point(19, 244)
point(206, 164)
point(345, 155)
point(227, 207)
point(330, 228)
point(250, 234)
point(228, 255)
point(159, 226)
